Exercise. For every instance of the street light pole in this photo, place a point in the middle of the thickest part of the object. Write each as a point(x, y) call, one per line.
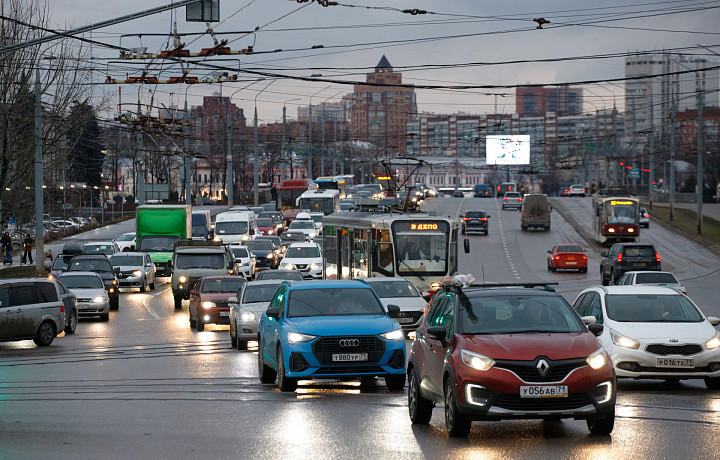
point(39, 221)
point(256, 179)
point(283, 147)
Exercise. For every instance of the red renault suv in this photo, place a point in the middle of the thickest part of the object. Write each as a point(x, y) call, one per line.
point(500, 351)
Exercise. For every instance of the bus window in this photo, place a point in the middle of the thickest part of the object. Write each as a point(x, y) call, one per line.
point(330, 253)
point(360, 254)
point(383, 260)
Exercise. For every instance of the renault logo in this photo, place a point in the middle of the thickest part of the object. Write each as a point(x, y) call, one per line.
point(543, 368)
point(673, 340)
point(349, 342)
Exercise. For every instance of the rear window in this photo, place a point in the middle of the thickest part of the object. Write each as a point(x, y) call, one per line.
point(667, 278)
point(639, 251)
point(475, 214)
point(569, 248)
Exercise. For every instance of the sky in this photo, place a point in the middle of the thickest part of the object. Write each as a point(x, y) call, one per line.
point(433, 49)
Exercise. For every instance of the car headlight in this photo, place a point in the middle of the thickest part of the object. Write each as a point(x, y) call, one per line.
point(713, 343)
point(247, 316)
point(270, 255)
point(435, 286)
point(271, 232)
point(98, 299)
point(476, 360)
point(312, 235)
point(137, 273)
point(396, 334)
point(287, 266)
point(51, 277)
point(622, 341)
point(245, 237)
point(208, 305)
point(295, 337)
point(597, 359)
point(314, 266)
point(183, 279)
point(217, 239)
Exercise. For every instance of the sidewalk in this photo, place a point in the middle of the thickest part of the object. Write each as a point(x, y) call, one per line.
point(711, 210)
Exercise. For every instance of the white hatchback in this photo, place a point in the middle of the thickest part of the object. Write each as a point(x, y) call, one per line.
point(654, 333)
point(246, 261)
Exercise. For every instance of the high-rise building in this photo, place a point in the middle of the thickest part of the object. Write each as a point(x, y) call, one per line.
point(382, 107)
point(536, 101)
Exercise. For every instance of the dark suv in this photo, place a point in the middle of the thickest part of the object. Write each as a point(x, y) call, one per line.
point(475, 221)
point(625, 257)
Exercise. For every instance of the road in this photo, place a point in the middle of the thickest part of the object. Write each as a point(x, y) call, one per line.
point(144, 385)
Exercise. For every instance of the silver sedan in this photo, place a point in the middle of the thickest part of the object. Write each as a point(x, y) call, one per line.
point(246, 309)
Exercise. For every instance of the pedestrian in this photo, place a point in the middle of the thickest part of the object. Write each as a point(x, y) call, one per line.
point(27, 249)
point(6, 245)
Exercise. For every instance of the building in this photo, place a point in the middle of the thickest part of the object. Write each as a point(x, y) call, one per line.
point(382, 107)
point(536, 101)
point(327, 111)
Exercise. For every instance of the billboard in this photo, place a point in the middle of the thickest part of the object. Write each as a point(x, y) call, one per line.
point(507, 150)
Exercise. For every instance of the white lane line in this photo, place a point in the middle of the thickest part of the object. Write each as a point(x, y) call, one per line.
point(148, 307)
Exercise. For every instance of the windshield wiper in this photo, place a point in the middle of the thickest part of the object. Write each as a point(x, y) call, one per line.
point(534, 331)
point(414, 271)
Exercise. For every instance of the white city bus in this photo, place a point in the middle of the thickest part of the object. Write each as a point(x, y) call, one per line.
point(319, 200)
point(368, 244)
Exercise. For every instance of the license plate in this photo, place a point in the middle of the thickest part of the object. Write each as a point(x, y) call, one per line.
point(639, 264)
point(570, 263)
point(543, 391)
point(404, 320)
point(344, 357)
point(676, 363)
point(224, 313)
point(475, 221)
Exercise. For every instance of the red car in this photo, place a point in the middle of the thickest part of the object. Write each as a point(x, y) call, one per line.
point(266, 226)
point(567, 257)
point(500, 351)
point(209, 300)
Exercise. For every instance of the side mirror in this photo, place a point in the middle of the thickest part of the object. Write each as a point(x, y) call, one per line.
point(713, 320)
point(437, 332)
point(549, 251)
point(603, 254)
point(596, 329)
point(273, 313)
point(466, 245)
point(64, 269)
point(116, 270)
point(393, 309)
point(488, 216)
point(588, 320)
point(233, 300)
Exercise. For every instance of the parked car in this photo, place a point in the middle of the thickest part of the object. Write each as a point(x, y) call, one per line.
point(458, 194)
point(400, 292)
point(664, 279)
point(137, 270)
point(126, 242)
point(34, 308)
point(304, 257)
point(101, 265)
point(512, 200)
point(567, 257)
point(329, 329)
point(508, 353)
point(244, 259)
point(89, 289)
point(644, 220)
point(624, 257)
point(247, 307)
point(475, 221)
point(286, 274)
point(577, 190)
point(209, 300)
point(654, 332)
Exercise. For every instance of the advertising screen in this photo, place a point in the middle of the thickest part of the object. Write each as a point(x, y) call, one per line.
point(507, 150)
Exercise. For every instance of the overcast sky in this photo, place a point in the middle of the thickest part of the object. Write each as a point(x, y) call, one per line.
point(452, 34)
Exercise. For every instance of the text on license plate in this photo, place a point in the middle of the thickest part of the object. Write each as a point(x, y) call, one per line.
point(543, 391)
point(404, 320)
point(571, 262)
point(224, 313)
point(343, 357)
point(675, 362)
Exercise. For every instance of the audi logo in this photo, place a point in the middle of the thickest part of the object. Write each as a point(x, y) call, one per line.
point(349, 342)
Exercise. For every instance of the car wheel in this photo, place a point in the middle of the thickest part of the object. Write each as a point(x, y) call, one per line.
point(199, 325)
point(115, 302)
point(554, 269)
point(178, 302)
point(241, 344)
point(126, 249)
point(395, 382)
point(105, 317)
point(420, 408)
point(523, 228)
point(143, 288)
point(712, 383)
point(603, 281)
point(457, 424)
point(583, 270)
point(233, 337)
point(72, 323)
point(602, 425)
point(549, 268)
point(192, 323)
point(285, 384)
point(266, 373)
point(45, 334)
point(152, 285)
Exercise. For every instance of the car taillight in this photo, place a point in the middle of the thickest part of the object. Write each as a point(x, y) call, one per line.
point(657, 257)
point(504, 199)
point(483, 219)
point(557, 257)
point(584, 257)
point(62, 308)
point(619, 259)
point(523, 213)
point(466, 218)
point(583, 190)
point(519, 199)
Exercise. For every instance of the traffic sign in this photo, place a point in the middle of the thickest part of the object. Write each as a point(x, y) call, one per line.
point(635, 173)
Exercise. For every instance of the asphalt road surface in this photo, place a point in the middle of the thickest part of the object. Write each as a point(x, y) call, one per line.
point(144, 385)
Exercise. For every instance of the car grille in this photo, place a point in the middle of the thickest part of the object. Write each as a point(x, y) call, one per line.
point(324, 348)
point(301, 266)
point(415, 315)
point(85, 300)
point(515, 402)
point(664, 350)
point(528, 371)
point(673, 370)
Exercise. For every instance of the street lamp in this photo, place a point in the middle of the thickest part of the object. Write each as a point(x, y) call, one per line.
point(256, 179)
point(230, 187)
point(309, 149)
point(283, 147)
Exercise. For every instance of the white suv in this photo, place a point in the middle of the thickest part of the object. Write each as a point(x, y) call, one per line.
point(304, 257)
point(577, 190)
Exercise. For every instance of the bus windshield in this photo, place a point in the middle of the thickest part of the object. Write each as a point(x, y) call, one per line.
point(421, 247)
point(287, 198)
point(621, 211)
point(324, 205)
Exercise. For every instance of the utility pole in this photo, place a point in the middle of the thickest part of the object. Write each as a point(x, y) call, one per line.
point(230, 189)
point(140, 192)
point(39, 221)
point(651, 148)
point(309, 143)
point(334, 157)
point(256, 180)
point(186, 157)
point(323, 146)
point(700, 82)
point(283, 147)
point(634, 148)
point(673, 93)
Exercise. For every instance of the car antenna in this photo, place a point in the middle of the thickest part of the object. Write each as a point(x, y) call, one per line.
point(482, 267)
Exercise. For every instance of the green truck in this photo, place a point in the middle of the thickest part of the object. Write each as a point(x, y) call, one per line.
point(159, 228)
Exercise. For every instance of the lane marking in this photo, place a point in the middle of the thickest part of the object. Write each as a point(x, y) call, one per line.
point(505, 244)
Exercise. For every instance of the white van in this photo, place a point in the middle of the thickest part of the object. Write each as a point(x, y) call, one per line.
point(235, 226)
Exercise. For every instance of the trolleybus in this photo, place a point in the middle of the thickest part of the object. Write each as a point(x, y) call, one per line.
point(332, 183)
point(416, 246)
point(289, 191)
point(319, 200)
point(615, 217)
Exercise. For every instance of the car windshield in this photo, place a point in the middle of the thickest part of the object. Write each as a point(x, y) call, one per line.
point(240, 252)
point(259, 292)
point(231, 228)
point(651, 308)
point(199, 260)
point(158, 243)
point(81, 282)
point(292, 236)
point(106, 249)
point(126, 237)
point(569, 248)
point(264, 223)
point(333, 302)
point(59, 263)
point(302, 252)
point(290, 275)
point(517, 314)
point(123, 260)
point(263, 245)
point(91, 265)
point(386, 289)
point(302, 224)
point(222, 285)
point(657, 277)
